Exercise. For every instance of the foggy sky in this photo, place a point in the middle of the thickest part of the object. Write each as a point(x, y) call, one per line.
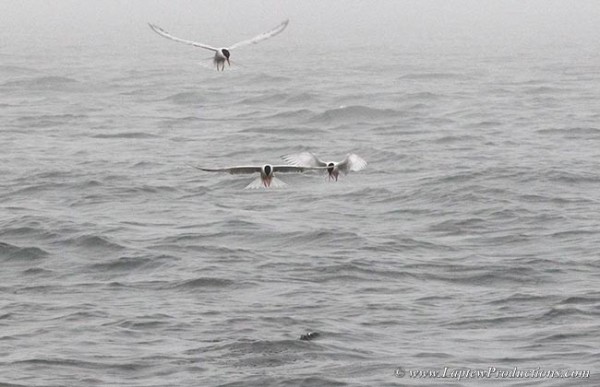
point(360, 21)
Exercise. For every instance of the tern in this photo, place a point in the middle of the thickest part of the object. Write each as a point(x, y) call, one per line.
point(352, 162)
point(222, 54)
point(267, 177)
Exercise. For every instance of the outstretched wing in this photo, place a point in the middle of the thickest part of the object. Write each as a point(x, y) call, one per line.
point(232, 170)
point(292, 168)
point(353, 163)
point(276, 183)
point(304, 159)
point(261, 37)
point(255, 184)
point(258, 183)
point(167, 35)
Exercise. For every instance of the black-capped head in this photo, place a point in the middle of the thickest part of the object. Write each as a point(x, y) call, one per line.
point(226, 54)
point(330, 167)
point(268, 170)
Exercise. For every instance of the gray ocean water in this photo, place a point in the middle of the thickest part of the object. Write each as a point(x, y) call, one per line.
point(471, 240)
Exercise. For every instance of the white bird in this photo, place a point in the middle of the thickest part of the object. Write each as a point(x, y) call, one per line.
point(352, 162)
point(222, 54)
point(267, 171)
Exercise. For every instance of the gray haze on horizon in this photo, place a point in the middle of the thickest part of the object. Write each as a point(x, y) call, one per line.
point(509, 26)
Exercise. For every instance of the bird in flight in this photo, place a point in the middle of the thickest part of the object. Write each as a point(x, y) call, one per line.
point(267, 177)
point(352, 162)
point(222, 54)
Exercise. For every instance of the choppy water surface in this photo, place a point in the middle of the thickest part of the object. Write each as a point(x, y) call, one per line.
point(471, 240)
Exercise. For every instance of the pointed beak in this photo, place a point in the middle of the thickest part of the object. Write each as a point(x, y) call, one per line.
point(228, 62)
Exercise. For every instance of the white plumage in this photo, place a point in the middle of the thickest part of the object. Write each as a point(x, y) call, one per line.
point(352, 162)
point(267, 177)
point(222, 54)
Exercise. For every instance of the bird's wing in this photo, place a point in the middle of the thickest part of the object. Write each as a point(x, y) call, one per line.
point(353, 163)
point(255, 184)
point(258, 183)
point(167, 35)
point(276, 183)
point(232, 170)
point(304, 159)
point(292, 168)
point(261, 37)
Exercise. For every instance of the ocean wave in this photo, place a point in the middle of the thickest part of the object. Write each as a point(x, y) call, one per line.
point(288, 98)
point(149, 189)
point(542, 90)
point(353, 271)
point(6, 316)
point(12, 252)
point(50, 120)
point(333, 237)
point(566, 313)
point(300, 114)
point(570, 234)
point(266, 98)
point(46, 82)
point(10, 69)
point(404, 244)
point(572, 133)
point(127, 135)
point(94, 242)
point(3, 384)
point(29, 227)
point(202, 283)
point(423, 95)
point(555, 338)
point(187, 98)
point(570, 176)
point(83, 315)
point(152, 321)
point(491, 276)
point(433, 76)
point(56, 361)
point(267, 78)
point(302, 98)
point(187, 120)
point(356, 113)
point(284, 130)
point(124, 264)
point(521, 298)
point(259, 353)
point(457, 139)
point(37, 271)
point(593, 298)
point(458, 226)
point(485, 322)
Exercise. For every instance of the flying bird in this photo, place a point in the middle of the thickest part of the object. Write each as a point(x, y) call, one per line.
point(352, 162)
point(267, 173)
point(222, 54)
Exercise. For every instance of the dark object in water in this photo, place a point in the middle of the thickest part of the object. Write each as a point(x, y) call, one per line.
point(310, 336)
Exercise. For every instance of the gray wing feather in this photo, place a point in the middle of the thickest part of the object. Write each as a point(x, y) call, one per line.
point(232, 170)
point(292, 168)
point(261, 37)
point(304, 159)
point(352, 163)
point(167, 35)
